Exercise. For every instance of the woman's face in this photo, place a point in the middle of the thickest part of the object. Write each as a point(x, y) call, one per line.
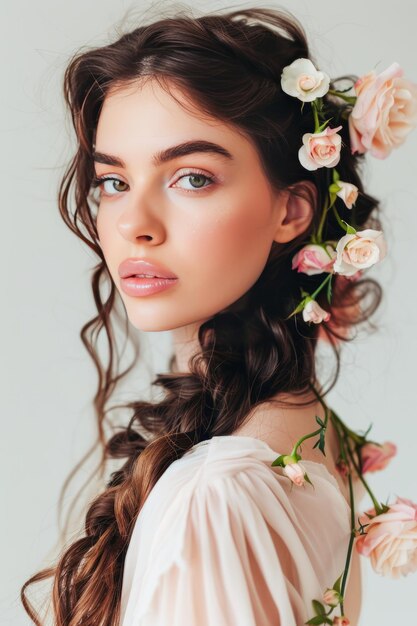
point(208, 218)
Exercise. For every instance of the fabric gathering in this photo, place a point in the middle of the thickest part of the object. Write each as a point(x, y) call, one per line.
point(224, 538)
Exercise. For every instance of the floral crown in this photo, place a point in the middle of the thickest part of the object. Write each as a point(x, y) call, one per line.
point(384, 110)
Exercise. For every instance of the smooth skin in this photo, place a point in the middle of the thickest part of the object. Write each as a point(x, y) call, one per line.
point(214, 235)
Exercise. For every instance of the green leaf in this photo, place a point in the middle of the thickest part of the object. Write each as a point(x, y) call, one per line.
point(334, 188)
point(336, 176)
point(323, 126)
point(318, 607)
point(279, 460)
point(350, 230)
point(319, 421)
point(298, 308)
point(321, 442)
point(307, 479)
point(338, 582)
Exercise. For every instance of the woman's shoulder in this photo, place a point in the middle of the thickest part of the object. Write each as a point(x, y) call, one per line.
point(226, 465)
point(281, 428)
point(220, 495)
point(224, 456)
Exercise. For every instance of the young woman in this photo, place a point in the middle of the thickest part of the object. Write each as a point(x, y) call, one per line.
point(190, 188)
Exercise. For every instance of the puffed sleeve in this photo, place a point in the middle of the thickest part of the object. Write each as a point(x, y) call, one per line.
point(236, 554)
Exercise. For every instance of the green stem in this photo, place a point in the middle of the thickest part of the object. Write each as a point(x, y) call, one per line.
point(323, 217)
point(377, 505)
point(300, 441)
point(355, 437)
point(351, 540)
point(338, 218)
point(316, 117)
point(338, 428)
point(320, 287)
point(318, 431)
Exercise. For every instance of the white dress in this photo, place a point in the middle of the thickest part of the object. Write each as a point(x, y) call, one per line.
point(224, 539)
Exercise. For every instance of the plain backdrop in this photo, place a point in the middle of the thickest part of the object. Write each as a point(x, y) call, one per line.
point(48, 380)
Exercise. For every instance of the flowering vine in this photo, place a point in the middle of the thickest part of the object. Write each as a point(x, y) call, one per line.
point(383, 111)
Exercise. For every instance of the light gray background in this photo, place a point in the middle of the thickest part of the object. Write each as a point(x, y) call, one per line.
point(48, 380)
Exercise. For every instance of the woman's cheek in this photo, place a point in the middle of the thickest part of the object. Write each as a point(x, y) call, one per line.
point(233, 248)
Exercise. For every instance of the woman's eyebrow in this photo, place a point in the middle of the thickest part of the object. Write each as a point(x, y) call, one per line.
point(181, 149)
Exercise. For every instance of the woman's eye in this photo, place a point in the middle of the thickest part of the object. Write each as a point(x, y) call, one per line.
point(100, 182)
point(197, 181)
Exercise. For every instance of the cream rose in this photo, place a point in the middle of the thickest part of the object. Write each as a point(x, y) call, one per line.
point(302, 80)
point(331, 597)
point(296, 473)
point(320, 149)
point(359, 251)
point(390, 539)
point(348, 193)
point(384, 113)
point(313, 259)
point(313, 312)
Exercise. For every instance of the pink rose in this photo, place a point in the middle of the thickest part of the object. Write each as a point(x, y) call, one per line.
point(313, 259)
point(295, 473)
point(376, 457)
point(313, 312)
point(390, 539)
point(341, 620)
point(384, 113)
point(359, 250)
point(320, 149)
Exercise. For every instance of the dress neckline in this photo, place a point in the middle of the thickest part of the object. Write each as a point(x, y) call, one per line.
point(254, 440)
point(261, 444)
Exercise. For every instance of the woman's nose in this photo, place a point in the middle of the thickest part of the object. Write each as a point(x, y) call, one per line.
point(140, 222)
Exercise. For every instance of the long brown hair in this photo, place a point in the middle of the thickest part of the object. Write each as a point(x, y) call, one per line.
point(230, 64)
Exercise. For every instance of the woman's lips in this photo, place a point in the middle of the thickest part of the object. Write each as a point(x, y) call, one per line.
point(134, 266)
point(136, 286)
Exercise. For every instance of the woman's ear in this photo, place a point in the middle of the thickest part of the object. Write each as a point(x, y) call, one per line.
point(295, 212)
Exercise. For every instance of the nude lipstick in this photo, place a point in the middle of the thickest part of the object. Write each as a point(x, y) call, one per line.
point(143, 277)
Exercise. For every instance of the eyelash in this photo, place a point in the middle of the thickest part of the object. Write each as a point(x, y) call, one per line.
point(98, 181)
